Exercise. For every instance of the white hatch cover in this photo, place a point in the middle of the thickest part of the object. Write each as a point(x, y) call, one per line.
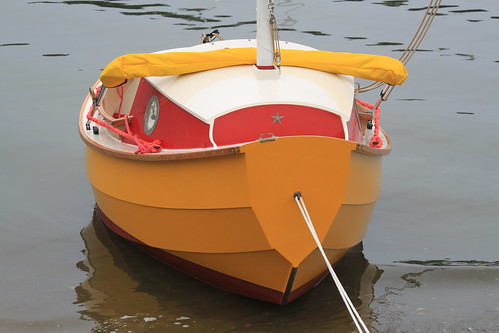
point(210, 94)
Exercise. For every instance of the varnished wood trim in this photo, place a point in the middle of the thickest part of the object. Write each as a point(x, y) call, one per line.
point(368, 150)
point(160, 156)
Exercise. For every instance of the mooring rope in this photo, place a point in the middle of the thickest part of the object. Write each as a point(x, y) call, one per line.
point(361, 327)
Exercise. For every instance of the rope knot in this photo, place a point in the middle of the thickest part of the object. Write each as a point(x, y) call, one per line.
point(145, 147)
point(376, 142)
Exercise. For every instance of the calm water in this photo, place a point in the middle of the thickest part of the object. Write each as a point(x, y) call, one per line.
point(430, 261)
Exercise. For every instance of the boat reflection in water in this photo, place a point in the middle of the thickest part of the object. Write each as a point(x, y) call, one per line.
point(127, 289)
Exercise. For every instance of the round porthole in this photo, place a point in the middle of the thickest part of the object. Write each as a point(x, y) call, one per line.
point(151, 116)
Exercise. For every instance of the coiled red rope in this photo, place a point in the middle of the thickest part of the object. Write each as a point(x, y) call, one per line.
point(376, 140)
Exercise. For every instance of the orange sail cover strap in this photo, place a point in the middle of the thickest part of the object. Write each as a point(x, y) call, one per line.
point(364, 66)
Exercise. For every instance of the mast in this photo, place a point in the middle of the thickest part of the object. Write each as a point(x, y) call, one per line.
point(264, 41)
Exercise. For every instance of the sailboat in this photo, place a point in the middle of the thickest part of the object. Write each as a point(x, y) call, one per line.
point(198, 156)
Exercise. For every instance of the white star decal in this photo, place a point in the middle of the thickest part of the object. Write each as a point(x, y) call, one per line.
point(277, 118)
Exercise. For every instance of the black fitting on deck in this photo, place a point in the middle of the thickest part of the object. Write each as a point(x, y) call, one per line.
point(370, 124)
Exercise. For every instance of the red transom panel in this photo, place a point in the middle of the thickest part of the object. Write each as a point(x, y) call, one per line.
point(250, 123)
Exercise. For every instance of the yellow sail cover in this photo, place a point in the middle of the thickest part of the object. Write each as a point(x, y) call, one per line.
point(364, 66)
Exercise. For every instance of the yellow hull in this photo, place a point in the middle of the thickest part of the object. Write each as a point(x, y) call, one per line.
point(234, 216)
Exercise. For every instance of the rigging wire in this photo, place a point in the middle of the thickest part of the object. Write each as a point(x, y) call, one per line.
point(275, 36)
point(412, 47)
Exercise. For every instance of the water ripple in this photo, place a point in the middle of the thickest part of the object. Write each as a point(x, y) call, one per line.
point(462, 11)
point(14, 44)
point(190, 18)
point(103, 4)
point(393, 3)
point(451, 263)
point(55, 54)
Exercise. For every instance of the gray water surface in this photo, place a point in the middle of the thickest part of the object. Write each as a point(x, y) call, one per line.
point(430, 260)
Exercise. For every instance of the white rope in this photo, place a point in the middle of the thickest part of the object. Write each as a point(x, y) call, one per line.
point(361, 327)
